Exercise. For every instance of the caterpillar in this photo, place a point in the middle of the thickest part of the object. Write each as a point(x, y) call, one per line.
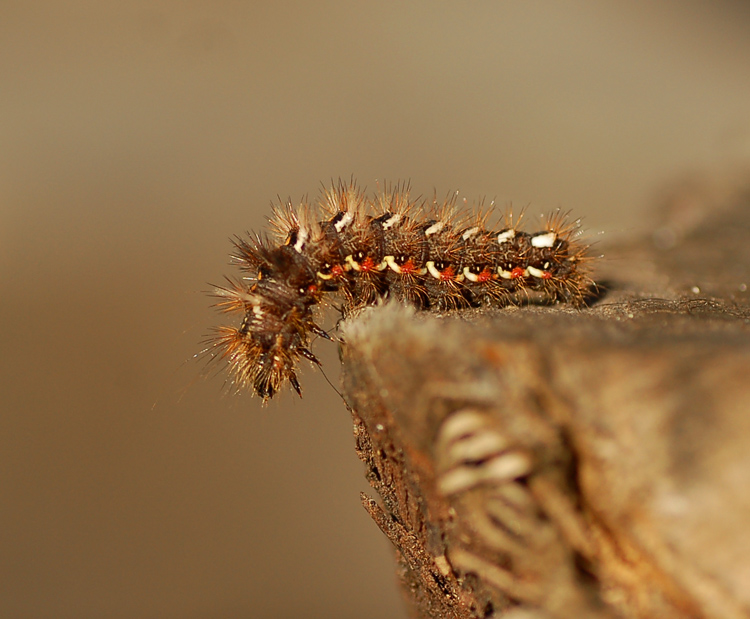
point(366, 248)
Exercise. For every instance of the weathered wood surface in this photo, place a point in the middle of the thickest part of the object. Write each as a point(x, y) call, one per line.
point(552, 462)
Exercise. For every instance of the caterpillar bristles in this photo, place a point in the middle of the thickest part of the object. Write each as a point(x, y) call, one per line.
point(365, 249)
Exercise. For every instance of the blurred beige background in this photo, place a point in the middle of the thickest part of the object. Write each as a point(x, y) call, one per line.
point(136, 137)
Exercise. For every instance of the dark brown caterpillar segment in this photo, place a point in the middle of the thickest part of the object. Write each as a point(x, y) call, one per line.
point(369, 249)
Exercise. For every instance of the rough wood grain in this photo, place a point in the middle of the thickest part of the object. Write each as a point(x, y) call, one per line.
point(552, 462)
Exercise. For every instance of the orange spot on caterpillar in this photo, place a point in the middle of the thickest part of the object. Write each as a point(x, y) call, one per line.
point(485, 275)
point(408, 267)
point(447, 274)
point(368, 264)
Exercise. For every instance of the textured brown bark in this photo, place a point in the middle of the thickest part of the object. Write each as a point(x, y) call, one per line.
point(553, 462)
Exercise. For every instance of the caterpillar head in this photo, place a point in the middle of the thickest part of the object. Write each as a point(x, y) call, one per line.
point(276, 307)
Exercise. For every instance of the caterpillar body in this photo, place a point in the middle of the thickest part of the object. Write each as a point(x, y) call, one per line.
point(369, 248)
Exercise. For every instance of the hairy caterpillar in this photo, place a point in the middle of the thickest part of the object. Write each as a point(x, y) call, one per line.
point(369, 248)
